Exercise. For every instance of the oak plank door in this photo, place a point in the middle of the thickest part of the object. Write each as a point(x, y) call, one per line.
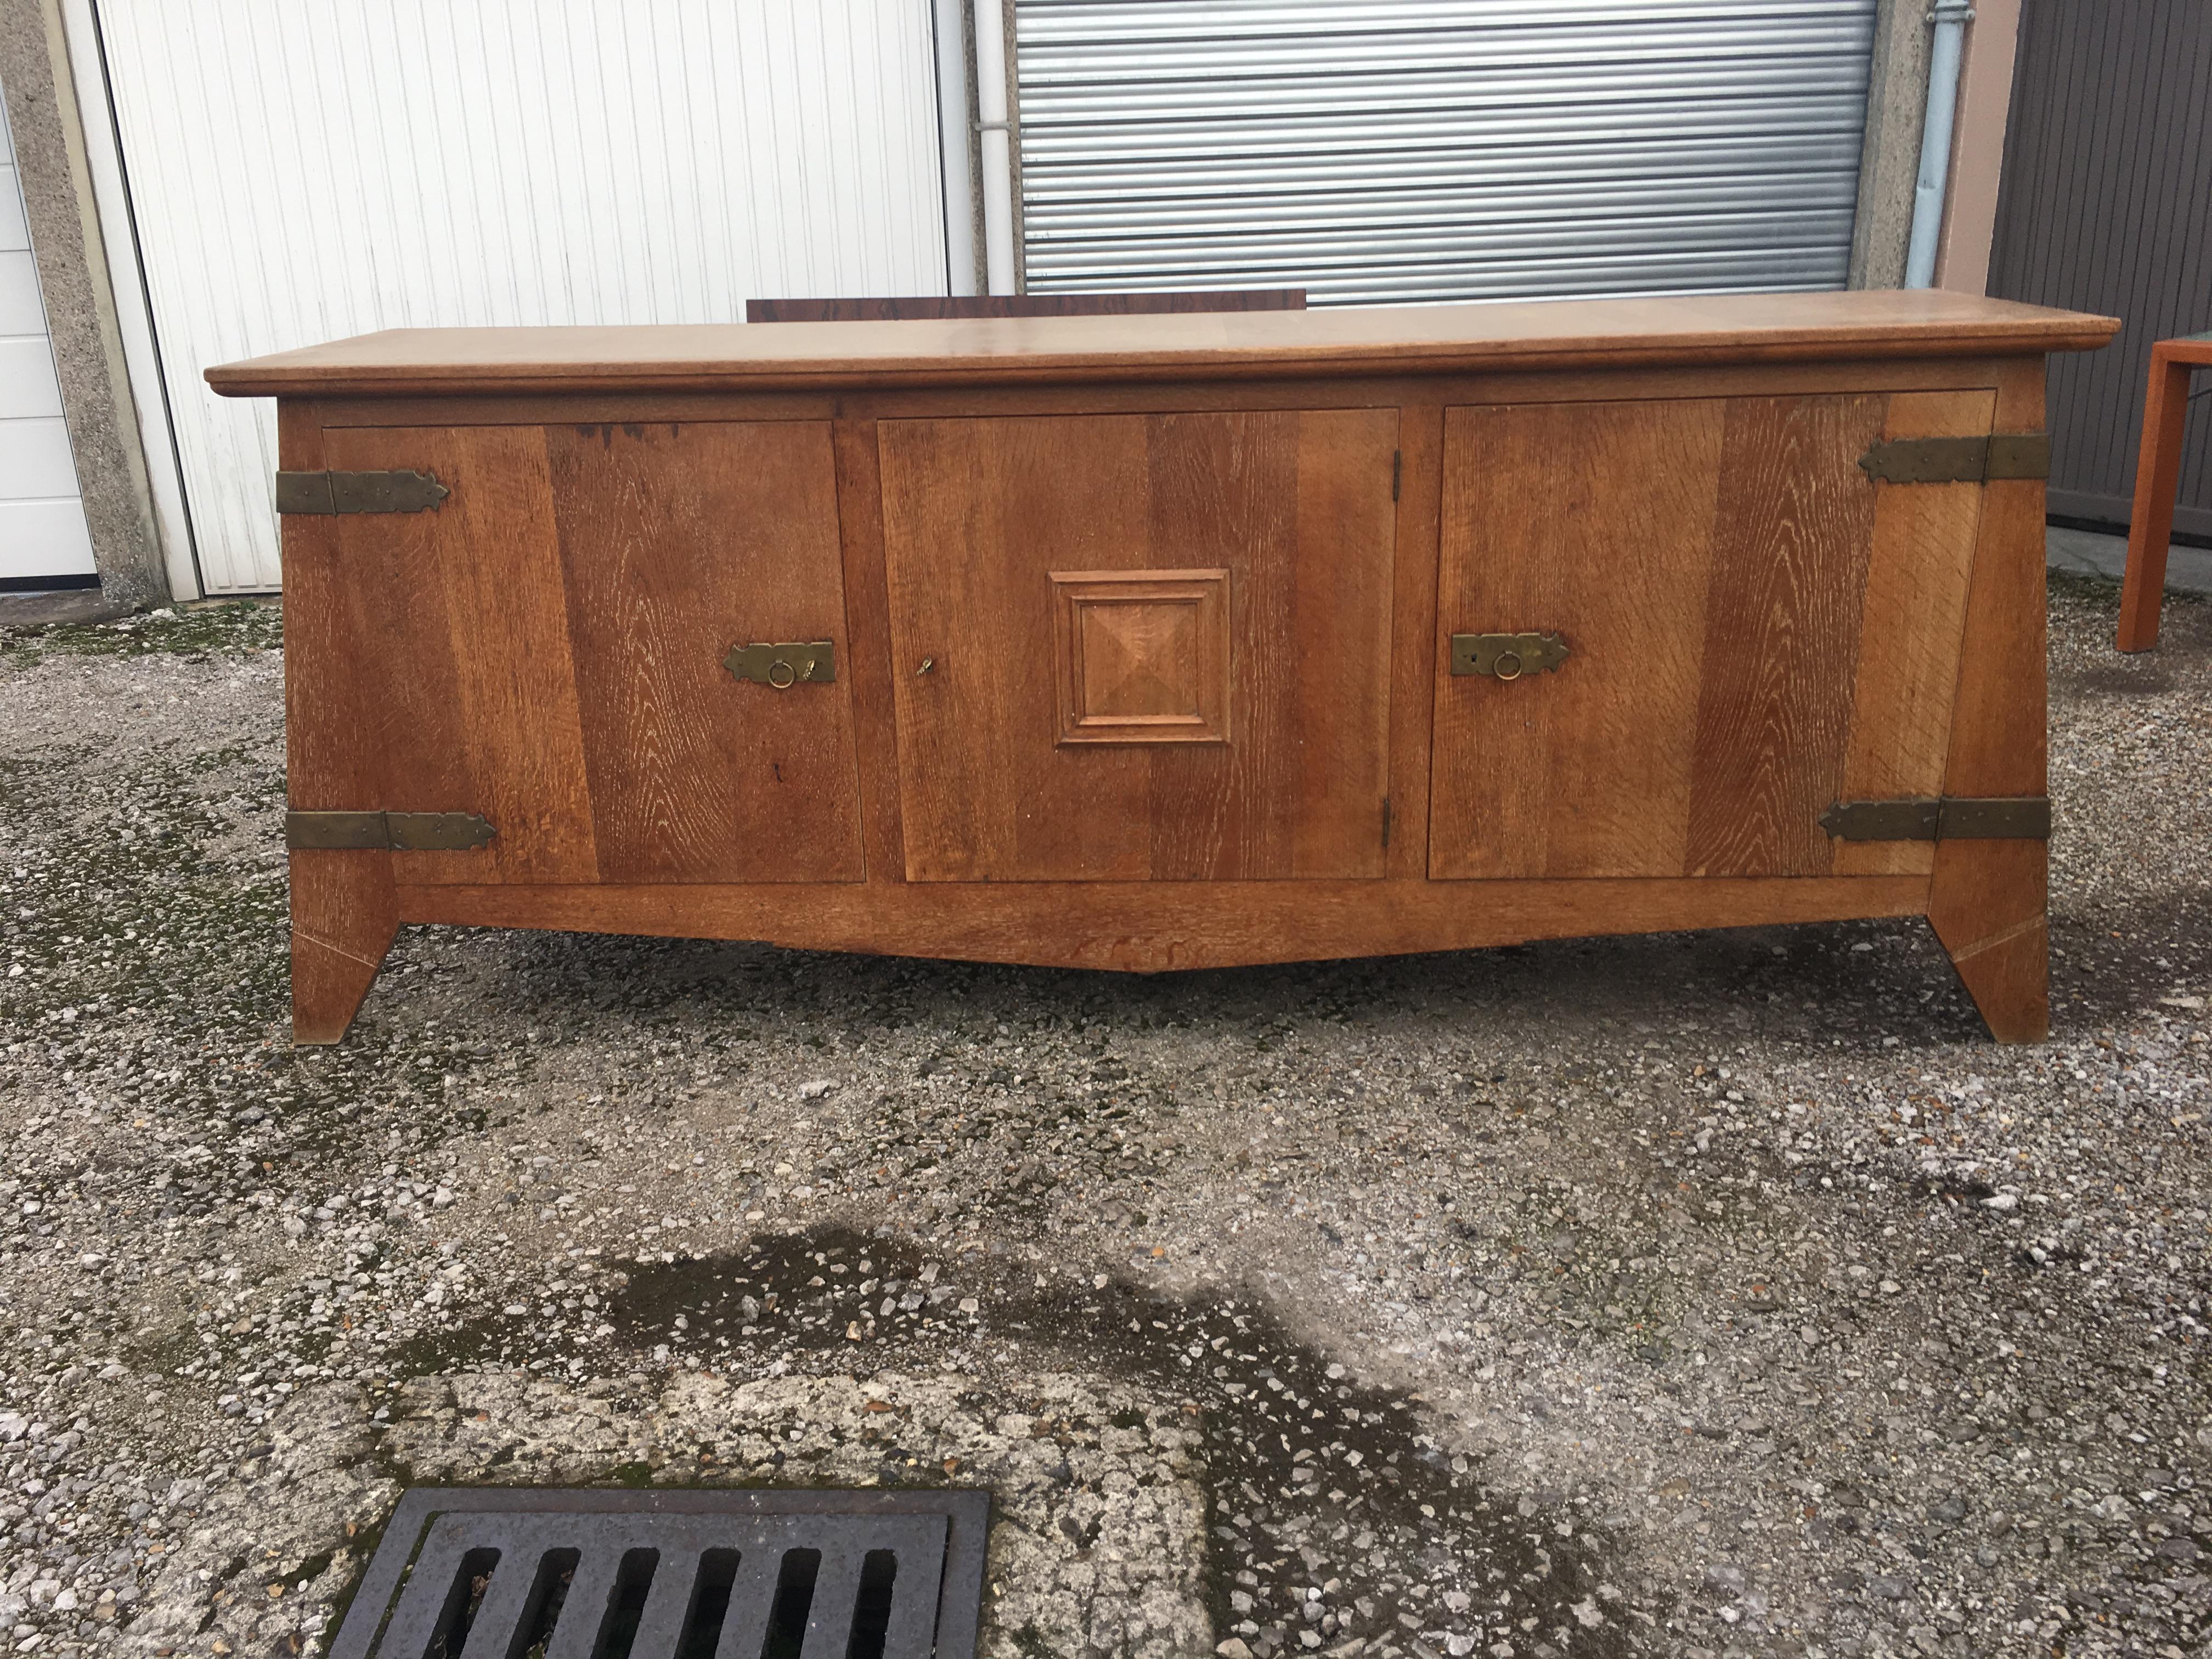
point(549, 644)
point(1139, 648)
point(1756, 630)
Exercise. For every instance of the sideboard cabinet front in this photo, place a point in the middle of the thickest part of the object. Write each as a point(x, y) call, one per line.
point(1131, 648)
point(545, 650)
point(1754, 629)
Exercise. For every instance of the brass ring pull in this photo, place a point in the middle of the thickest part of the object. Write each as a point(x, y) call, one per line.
point(1507, 656)
point(784, 664)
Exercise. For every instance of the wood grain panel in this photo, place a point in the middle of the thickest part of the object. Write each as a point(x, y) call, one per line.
point(1330, 665)
point(343, 912)
point(403, 701)
point(676, 543)
point(1999, 742)
point(1150, 927)
point(1141, 656)
point(1792, 519)
point(344, 915)
point(868, 662)
point(1593, 520)
point(1233, 484)
point(327, 766)
point(1617, 333)
point(504, 739)
point(1412, 634)
point(1987, 899)
point(1917, 569)
point(965, 502)
point(1387, 387)
point(1295, 506)
point(1708, 561)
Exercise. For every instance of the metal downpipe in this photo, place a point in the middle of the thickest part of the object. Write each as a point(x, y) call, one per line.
point(994, 146)
point(1950, 18)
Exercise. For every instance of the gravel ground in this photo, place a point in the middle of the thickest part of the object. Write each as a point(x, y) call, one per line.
point(1696, 1294)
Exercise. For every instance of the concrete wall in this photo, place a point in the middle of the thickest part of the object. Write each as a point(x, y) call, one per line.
point(1890, 163)
point(73, 271)
point(1896, 100)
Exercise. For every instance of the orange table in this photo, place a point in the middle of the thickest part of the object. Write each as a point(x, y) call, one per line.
point(2158, 476)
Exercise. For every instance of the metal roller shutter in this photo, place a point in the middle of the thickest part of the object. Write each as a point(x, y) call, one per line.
point(1402, 151)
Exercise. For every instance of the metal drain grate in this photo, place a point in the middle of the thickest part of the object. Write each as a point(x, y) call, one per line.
point(527, 1573)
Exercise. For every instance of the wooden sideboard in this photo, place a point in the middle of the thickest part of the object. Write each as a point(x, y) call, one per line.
point(1174, 642)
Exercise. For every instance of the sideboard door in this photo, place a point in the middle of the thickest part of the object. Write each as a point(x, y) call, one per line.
point(1136, 647)
point(1754, 629)
point(544, 649)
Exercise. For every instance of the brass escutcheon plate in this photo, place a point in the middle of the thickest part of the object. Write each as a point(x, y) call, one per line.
point(783, 667)
point(1506, 656)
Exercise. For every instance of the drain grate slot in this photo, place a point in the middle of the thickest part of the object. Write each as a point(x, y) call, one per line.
point(493, 1573)
point(710, 1604)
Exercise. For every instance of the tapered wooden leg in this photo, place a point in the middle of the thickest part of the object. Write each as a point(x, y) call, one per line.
point(2150, 521)
point(1987, 898)
point(344, 916)
point(1987, 906)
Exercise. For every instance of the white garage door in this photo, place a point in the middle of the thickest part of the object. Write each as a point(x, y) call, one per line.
point(1377, 151)
point(301, 170)
point(43, 541)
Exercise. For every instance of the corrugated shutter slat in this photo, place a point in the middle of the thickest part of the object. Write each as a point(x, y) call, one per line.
point(1410, 151)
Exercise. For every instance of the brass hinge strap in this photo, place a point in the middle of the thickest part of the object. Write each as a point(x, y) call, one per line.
point(1960, 460)
point(1952, 817)
point(358, 492)
point(392, 832)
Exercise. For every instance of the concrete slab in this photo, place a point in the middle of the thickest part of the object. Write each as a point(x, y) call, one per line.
point(2085, 553)
point(75, 605)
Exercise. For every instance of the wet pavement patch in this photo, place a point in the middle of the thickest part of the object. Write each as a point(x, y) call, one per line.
point(1333, 1513)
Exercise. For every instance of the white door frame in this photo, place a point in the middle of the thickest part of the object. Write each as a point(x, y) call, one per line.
point(126, 278)
point(957, 142)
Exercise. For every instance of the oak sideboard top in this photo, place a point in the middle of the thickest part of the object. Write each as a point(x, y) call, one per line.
point(1352, 341)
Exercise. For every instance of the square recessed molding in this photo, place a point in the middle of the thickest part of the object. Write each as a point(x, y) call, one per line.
point(1143, 655)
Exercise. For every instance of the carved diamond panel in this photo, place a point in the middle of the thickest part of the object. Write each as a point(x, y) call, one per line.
point(1143, 655)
